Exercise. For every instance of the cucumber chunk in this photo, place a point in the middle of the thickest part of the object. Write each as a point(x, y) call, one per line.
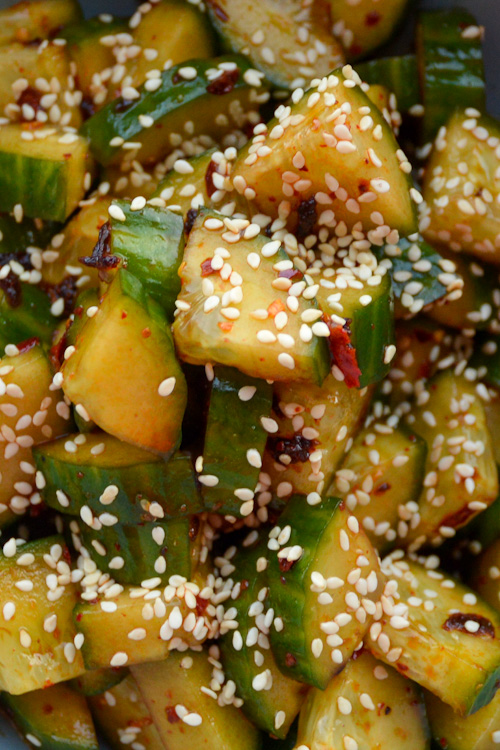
point(155, 632)
point(461, 477)
point(128, 341)
point(450, 62)
point(319, 617)
point(232, 454)
point(45, 175)
point(454, 732)
point(33, 656)
point(366, 704)
point(37, 19)
point(174, 687)
point(143, 486)
point(208, 100)
point(381, 474)
point(150, 244)
point(485, 578)
point(234, 286)
point(246, 654)
point(438, 638)
point(97, 681)
point(57, 717)
point(277, 36)
point(315, 424)
point(120, 712)
point(461, 186)
point(326, 135)
point(398, 74)
point(25, 313)
point(27, 378)
point(366, 26)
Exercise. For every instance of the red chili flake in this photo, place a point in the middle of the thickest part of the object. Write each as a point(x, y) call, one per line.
point(286, 565)
point(457, 621)
point(146, 333)
point(48, 708)
point(101, 257)
point(290, 660)
point(226, 326)
point(219, 12)
point(209, 183)
point(372, 18)
point(297, 447)
point(172, 717)
point(201, 605)
point(459, 518)
point(307, 218)
point(343, 352)
point(124, 315)
point(78, 617)
point(384, 487)
point(291, 273)
point(31, 97)
point(28, 344)
point(56, 352)
point(206, 267)
point(224, 83)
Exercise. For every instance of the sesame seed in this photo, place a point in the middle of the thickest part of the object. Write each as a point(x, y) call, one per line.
point(166, 386)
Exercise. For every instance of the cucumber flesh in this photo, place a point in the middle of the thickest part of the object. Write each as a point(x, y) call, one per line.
point(366, 26)
point(27, 22)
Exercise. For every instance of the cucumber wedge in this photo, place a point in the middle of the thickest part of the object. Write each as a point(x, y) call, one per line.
point(359, 706)
point(27, 22)
point(174, 688)
point(484, 578)
point(453, 732)
point(25, 313)
point(206, 92)
point(461, 476)
point(323, 614)
point(45, 175)
point(383, 472)
point(315, 424)
point(277, 36)
point(366, 25)
point(234, 287)
point(97, 681)
point(450, 62)
point(398, 74)
point(122, 712)
point(128, 341)
point(318, 148)
point(461, 186)
point(33, 656)
point(143, 486)
point(437, 636)
point(57, 717)
point(246, 654)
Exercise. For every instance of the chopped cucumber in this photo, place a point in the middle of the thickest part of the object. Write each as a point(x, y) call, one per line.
point(366, 705)
point(398, 74)
point(27, 378)
point(36, 640)
point(246, 655)
point(184, 715)
point(134, 485)
point(454, 732)
point(128, 341)
point(156, 631)
point(382, 473)
point(461, 186)
point(37, 19)
point(368, 25)
point(485, 577)
point(315, 424)
point(45, 175)
point(333, 150)
point(97, 681)
point(324, 582)
point(441, 635)
point(277, 36)
point(121, 712)
point(222, 95)
point(233, 306)
point(450, 62)
point(461, 476)
point(232, 454)
point(55, 718)
point(25, 313)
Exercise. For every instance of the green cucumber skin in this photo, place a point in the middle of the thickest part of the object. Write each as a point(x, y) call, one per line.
point(487, 364)
point(31, 318)
point(39, 185)
point(289, 587)
point(371, 335)
point(139, 551)
point(97, 681)
point(172, 484)
point(231, 431)
point(151, 243)
point(398, 74)
point(451, 67)
point(17, 236)
point(91, 28)
point(111, 122)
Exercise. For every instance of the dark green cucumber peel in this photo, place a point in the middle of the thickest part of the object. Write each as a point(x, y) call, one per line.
point(29, 317)
point(151, 242)
point(97, 681)
point(486, 359)
point(450, 66)
point(175, 95)
point(233, 428)
point(170, 485)
point(398, 74)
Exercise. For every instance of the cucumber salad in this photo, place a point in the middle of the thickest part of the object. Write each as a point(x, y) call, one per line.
point(249, 378)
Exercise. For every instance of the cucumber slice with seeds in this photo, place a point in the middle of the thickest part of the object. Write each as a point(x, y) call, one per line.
point(46, 176)
point(345, 187)
point(127, 341)
point(281, 38)
point(216, 95)
point(367, 706)
point(233, 306)
point(134, 485)
point(324, 579)
point(438, 633)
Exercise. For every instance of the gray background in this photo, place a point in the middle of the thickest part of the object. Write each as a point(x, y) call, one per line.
point(487, 13)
